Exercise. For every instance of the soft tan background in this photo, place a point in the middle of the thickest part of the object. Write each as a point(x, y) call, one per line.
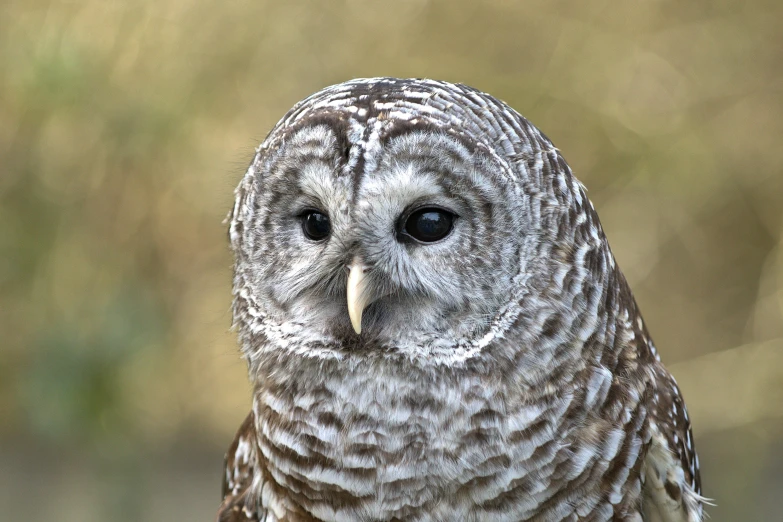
point(125, 125)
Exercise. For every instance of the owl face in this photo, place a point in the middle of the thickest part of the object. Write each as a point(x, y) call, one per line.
point(414, 240)
point(406, 216)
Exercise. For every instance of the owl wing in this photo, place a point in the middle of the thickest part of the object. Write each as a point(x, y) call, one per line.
point(672, 485)
point(241, 466)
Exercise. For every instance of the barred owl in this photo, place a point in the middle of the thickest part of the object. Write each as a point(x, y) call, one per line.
point(436, 328)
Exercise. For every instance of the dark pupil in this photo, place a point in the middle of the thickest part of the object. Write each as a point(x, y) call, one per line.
point(316, 225)
point(429, 224)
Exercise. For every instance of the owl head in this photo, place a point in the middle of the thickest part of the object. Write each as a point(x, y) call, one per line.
point(411, 217)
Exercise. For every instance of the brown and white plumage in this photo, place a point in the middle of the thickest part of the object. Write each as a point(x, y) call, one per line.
point(240, 468)
point(502, 372)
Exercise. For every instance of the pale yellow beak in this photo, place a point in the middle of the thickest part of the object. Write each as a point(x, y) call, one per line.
point(358, 297)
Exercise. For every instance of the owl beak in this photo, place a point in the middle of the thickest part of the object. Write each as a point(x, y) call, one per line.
point(358, 297)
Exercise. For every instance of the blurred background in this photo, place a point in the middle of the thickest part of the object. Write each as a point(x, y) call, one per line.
point(124, 127)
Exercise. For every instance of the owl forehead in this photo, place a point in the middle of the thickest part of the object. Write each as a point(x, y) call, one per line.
point(366, 114)
point(360, 142)
point(383, 169)
point(355, 156)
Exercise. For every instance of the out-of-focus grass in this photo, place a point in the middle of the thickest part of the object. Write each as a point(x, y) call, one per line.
point(125, 125)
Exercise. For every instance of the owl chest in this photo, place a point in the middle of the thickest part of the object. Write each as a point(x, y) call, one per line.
point(411, 455)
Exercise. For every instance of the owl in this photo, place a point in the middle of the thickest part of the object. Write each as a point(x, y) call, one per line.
point(435, 327)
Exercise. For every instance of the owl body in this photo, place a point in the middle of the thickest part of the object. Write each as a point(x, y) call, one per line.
point(435, 326)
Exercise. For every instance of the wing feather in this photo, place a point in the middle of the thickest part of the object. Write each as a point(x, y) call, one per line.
point(240, 468)
point(672, 487)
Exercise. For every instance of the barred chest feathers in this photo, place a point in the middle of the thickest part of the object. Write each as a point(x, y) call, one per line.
point(381, 444)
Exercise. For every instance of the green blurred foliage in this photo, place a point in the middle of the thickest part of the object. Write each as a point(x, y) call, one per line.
point(124, 127)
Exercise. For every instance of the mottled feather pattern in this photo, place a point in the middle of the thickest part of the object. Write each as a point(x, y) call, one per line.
point(240, 468)
point(504, 373)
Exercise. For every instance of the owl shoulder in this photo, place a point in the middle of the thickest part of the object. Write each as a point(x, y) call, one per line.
point(240, 469)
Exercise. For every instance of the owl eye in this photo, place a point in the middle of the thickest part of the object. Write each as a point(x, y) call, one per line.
point(429, 224)
point(315, 225)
